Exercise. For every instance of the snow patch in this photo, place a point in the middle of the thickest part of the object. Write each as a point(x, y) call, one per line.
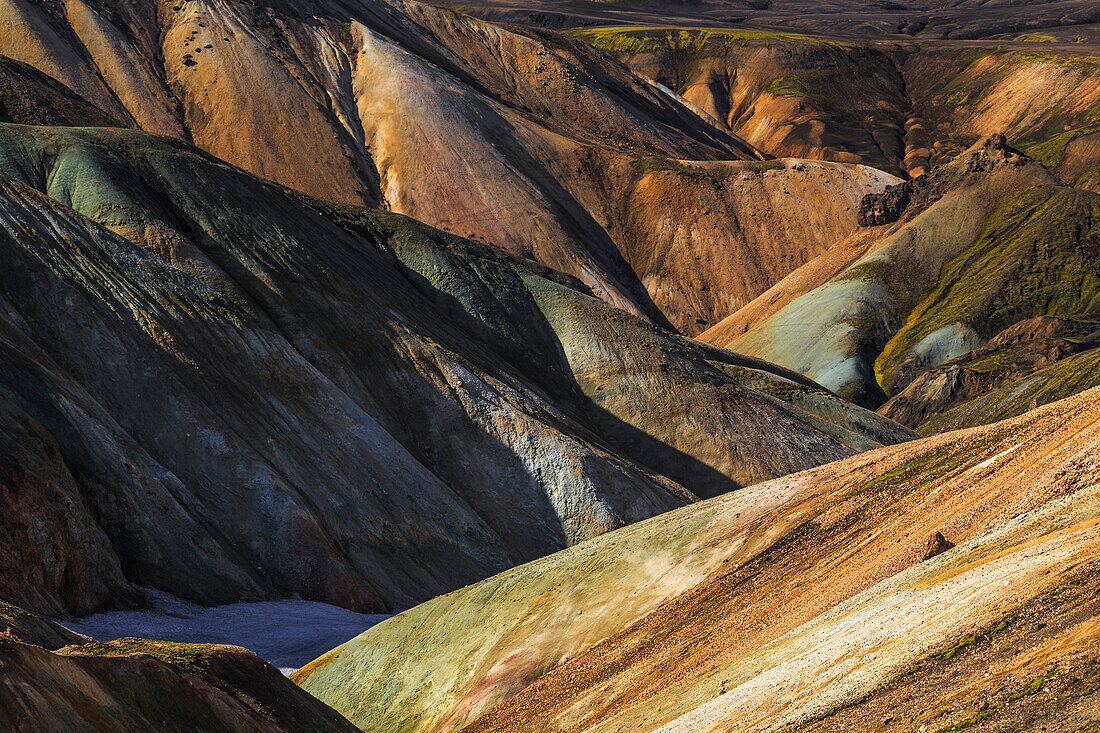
point(288, 633)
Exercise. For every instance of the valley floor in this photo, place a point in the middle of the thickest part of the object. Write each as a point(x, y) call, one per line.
point(286, 633)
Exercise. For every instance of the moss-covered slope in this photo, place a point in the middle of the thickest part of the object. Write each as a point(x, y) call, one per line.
point(982, 244)
point(833, 322)
point(1036, 256)
point(1013, 373)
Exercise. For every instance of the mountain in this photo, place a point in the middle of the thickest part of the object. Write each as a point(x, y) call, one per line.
point(229, 391)
point(941, 583)
point(901, 106)
point(649, 179)
point(1032, 363)
point(526, 139)
point(556, 330)
point(1068, 21)
point(950, 261)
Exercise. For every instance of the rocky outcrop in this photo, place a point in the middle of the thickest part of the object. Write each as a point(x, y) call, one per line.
point(806, 603)
point(937, 545)
point(876, 209)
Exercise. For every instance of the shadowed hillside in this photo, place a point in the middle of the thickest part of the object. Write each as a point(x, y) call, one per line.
point(550, 333)
point(242, 392)
point(529, 140)
point(56, 681)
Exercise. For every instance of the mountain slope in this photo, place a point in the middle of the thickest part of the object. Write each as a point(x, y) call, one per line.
point(924, 20)
point(901, 106)
point(325, 401)
point(974, 247)
point(779, 607)
point(529, 140)
point(54, 680)
point(1029, 364)
point(29, 97)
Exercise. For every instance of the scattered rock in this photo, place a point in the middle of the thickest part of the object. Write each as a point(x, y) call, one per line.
point(937, 545)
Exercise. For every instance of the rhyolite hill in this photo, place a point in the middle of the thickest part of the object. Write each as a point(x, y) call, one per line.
point(533, 141)
point(228, 389)
point(943, 304)
point(242, 392)
point(821, 601)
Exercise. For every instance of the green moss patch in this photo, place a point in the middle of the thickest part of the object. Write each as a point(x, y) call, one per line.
point(817, 85)
point(683, 45)
point(930, 466)
point(626, 40)
point(1052, 151)
point(191, 657)
point(1030, 689)
point(904, 280)
point(1035, 38)
point(1036, 256)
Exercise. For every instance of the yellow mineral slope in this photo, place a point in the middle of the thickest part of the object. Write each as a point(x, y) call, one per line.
point(947, 583)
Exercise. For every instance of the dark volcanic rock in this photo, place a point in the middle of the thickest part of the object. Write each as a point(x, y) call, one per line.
point(886, 207)
point(138, 685)
point(937, 545)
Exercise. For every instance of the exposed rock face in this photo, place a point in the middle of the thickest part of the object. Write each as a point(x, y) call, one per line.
point(780, 606)
point(937, 545)
point(245, 393)
point(887, 207)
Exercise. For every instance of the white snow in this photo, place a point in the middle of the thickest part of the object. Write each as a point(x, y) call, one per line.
point(286, 633)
